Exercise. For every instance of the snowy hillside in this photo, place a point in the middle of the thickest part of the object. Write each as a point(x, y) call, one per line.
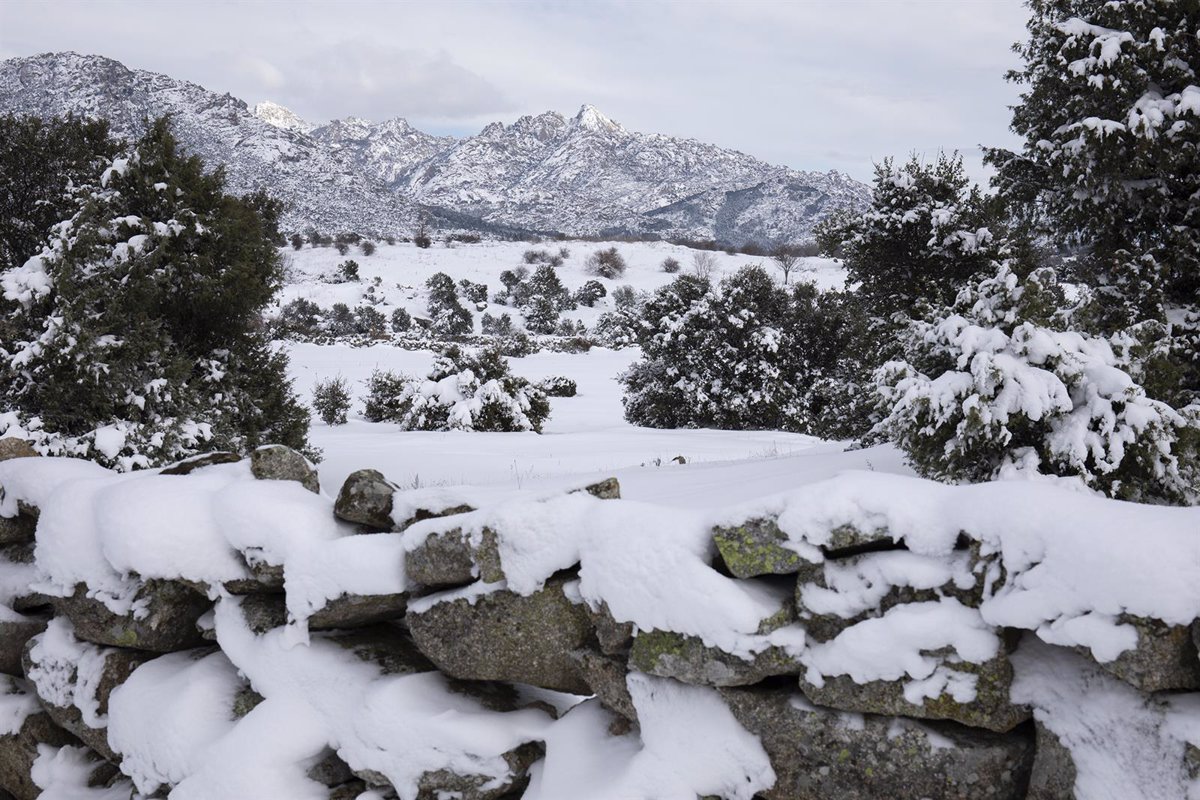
point(583, 176)
point(324, 188)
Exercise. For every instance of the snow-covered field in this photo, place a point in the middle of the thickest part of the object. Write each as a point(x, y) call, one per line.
point(587, 435)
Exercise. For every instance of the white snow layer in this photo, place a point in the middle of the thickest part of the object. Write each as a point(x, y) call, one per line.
point(1073, 563)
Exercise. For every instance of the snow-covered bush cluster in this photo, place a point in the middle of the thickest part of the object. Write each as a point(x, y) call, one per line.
point(134, 336)
point(466, 391)
point(1001, 383)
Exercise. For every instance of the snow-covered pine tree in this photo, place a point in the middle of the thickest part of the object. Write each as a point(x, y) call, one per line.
point(449, 317)
point(1001, 382)
point(1110, 115)
point(136, 335)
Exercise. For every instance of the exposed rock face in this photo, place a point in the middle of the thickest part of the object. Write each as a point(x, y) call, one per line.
point(117, 665)
point(366, 498)
point(1165, 657)
point(14, 633)
point(263, 612)
point(1053, 776)
point(169, 624)
point(190, 465)
point(687, 659)
point(506, 637)
point(278, 463)
point(820, 753)
point(443, 559)
point(12, 447)
point(19, 748)
point(991, 708)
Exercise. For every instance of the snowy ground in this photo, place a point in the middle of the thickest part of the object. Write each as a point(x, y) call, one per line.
point(587, 435)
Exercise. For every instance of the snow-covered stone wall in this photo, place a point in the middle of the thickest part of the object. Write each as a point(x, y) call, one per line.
point(220, 630)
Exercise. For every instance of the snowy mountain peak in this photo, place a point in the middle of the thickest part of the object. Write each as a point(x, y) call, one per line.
point(592, 119)
point(282, 117)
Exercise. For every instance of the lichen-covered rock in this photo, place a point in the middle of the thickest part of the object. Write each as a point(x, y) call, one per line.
point(756, 547)
point(1165, 656)
point(18, 529)
point(53, 667)
point(503, 636)
point(687, 659)
point(366, 499)
point(1053, 776)
point(168, 624)
point(190, 465)
point(991, 707)
point(12, 447)
point(607, 489)
point(25, 727)
point(819, 753)
point(14, 634)
point(442, 559)
point(274, 462)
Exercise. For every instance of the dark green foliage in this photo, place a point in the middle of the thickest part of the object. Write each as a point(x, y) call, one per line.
point(401, 321)
point(300, 317)
point(331, 400)
point(496, 326)
point(369, 321)
point(927, 232)
point(39, 160)
point(448, 316)
point(590, 293)
point(382, 401)
point(147, 312)
point(558, 386)
point(474, 292)
point(340, 320)
point(367, 247)
point(541, 316)
point(545, 283)
point(348, 271)
point(297, 241)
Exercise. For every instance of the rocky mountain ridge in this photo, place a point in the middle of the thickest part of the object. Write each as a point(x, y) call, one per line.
point(583, 176)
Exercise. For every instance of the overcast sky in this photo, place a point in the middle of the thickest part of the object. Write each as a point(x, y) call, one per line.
point(810, 84)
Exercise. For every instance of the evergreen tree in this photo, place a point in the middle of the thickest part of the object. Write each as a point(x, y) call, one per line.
point(43, 161)
point(136, 336)
point(1111, 165)
point(449, 316)
point(1000, 382)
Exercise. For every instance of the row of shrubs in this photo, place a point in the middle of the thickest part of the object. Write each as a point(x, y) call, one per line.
point(465, 390)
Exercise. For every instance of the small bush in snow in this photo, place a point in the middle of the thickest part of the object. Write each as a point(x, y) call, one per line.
point(340, 320)
point(401, 321)
point(331, 400)
point(367, 247)
point(369, 321)
point(606, 264)
point(558, 386)
point(998, 383)
point(670, 265)
point(297, 241)
point(421, 237)
point(463, 391)
point(348, 271)
point(474, 292)
point(541, 316)
point(300, 317)
point(342, 248)
point(590, 293)
point(704, 264)
point(496, 326)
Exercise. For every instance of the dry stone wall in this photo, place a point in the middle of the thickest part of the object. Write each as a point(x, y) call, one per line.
point(83, 685)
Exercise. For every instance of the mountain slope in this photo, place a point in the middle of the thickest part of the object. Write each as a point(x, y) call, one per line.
point(321, 186)
point(587, 175)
